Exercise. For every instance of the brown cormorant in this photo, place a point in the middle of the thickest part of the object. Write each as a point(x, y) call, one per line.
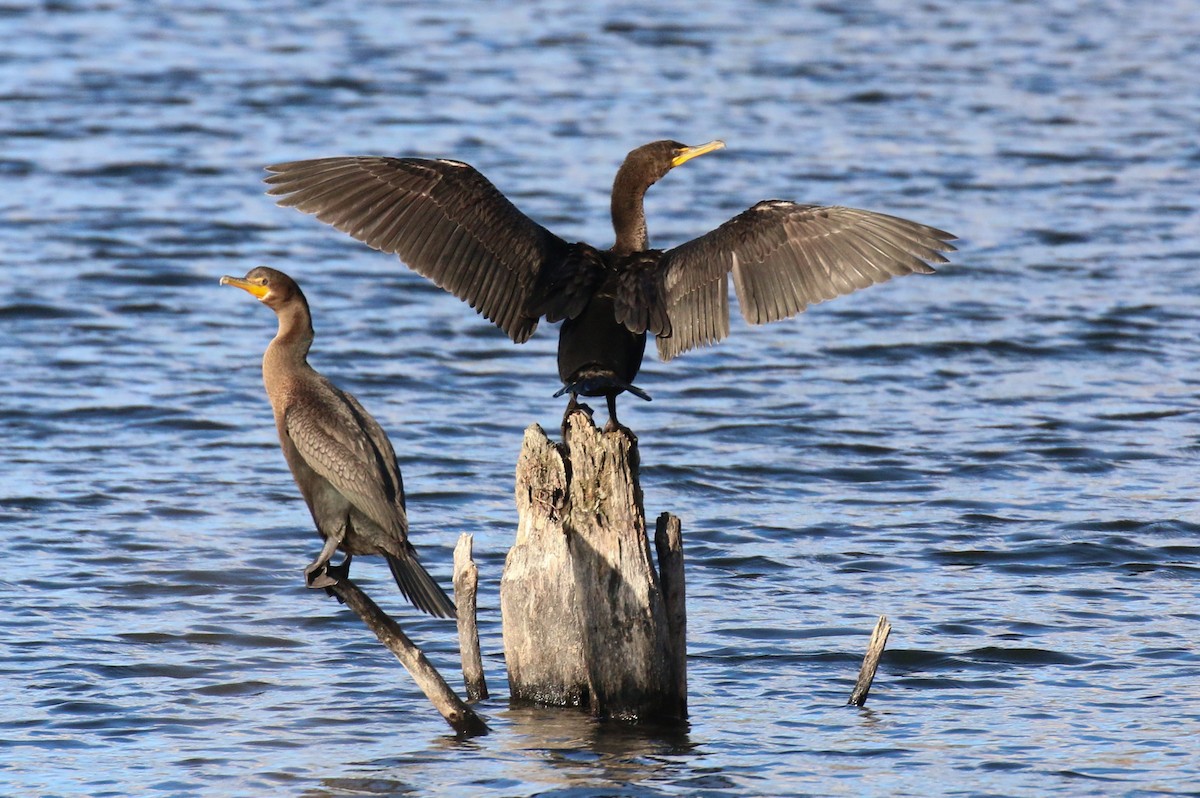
point(340, 457)
point(449, 223)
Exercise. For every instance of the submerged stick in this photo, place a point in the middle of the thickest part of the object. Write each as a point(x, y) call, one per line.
point(866, 674)
point(460, 716)
point(466, 587)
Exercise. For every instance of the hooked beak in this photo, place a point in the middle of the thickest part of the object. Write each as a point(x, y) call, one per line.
point(688, 153)
point(254, 289)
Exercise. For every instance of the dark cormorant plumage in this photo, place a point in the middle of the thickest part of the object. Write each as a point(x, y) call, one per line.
point(340, 457)
point(449, 223)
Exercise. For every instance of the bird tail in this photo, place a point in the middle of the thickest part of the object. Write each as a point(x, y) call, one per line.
point(419, 587)
point(601, 386)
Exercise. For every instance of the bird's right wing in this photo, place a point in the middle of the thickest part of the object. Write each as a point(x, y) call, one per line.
point(785, 257)
point(444, 219)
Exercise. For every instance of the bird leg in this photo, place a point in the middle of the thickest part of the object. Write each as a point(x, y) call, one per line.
point(613, 425)
point(316, 573)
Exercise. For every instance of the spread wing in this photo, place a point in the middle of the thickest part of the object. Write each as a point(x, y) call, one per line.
point(785, 257)
point(442, 218)
point(345, 445)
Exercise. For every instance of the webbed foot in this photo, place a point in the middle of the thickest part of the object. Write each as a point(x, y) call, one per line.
point(340, 571)
point(327, 575)
point(316, 576)
point(319, 572)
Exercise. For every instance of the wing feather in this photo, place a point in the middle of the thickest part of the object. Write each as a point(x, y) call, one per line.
point(783, 258)
point(342, 442)
point(444, 219)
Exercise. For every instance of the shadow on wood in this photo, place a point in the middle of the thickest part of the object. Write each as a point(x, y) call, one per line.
point(460, 716)
point(584, 611)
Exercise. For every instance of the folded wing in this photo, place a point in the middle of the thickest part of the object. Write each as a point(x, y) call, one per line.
point(346, 446)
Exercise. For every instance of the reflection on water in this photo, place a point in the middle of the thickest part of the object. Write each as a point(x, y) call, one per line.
point(546, 751)
point(575, 751)
point(1001, 457)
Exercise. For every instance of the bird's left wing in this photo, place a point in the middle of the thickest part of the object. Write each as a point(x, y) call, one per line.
point(785, 257)
point(341, 442)
point(444, 219)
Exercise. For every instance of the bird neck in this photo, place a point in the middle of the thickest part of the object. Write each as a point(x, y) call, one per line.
point(288, 350)
point(628, 213)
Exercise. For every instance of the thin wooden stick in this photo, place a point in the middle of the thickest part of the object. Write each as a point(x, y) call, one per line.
point(668, 542)
point(866, 674)
point(466, 586)
point(460, 716)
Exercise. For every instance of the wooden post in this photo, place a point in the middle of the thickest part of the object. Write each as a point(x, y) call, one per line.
point(584, 617)
point(466, 587)
point(460, 716)
point(866, 674)
point(668, 541)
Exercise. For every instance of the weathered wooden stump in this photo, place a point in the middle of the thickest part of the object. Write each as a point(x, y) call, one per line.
point(585, 614)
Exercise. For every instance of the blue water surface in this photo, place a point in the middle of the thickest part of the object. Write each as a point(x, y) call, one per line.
point(1000, 458)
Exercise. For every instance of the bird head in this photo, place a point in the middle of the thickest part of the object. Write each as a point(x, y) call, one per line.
point(271, 287)
point(655, 159)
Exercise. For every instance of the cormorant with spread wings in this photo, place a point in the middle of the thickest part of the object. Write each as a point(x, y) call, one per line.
point(447, 222)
